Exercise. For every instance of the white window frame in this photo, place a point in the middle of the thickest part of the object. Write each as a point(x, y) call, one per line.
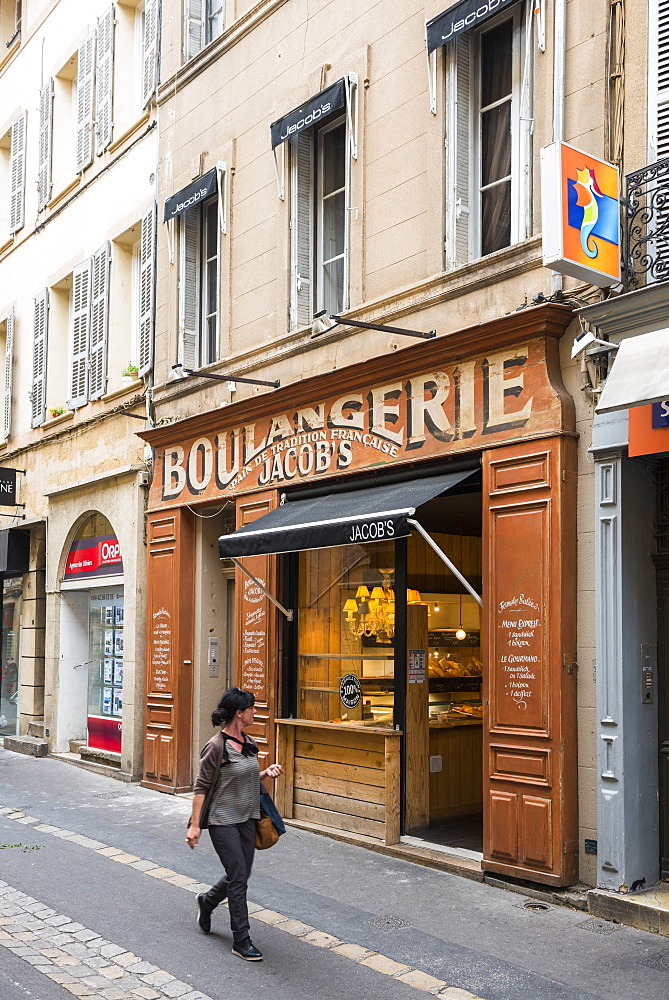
point(319, 214)
point(521, 131)
point(199, 360)
point(209, 14)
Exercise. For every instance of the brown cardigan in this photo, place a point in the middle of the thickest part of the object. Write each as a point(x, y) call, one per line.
point(212, 757)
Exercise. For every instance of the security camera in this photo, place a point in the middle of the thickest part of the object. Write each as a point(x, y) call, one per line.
point(587, 339)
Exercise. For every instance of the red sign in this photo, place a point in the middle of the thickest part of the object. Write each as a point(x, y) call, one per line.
point(104, 734)
point(99, 556)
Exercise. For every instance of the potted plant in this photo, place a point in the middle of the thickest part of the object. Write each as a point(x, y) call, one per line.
point(129, 373)
point(57, 411)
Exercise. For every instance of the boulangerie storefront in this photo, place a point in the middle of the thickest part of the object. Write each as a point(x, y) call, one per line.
point(403, 545)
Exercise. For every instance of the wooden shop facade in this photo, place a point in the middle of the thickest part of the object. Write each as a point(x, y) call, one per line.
point(402, 557)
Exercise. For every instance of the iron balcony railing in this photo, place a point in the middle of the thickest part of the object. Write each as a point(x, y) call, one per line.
point(646, 226)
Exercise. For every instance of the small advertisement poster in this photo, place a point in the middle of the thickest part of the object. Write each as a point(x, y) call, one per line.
point(417, 666)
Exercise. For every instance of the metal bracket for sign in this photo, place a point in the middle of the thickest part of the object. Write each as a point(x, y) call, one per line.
point(263, 588)
point(280, 180)
point(431, 75)
point(444, 558)
point(351, 85)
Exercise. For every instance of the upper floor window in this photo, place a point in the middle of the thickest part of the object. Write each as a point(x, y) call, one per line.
point(13, 177)
point(203, 21)
point(11, 16)
point(319, 184)
point(488, 138)
point(199, 280)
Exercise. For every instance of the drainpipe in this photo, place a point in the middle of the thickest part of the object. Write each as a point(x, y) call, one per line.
point(559, 66)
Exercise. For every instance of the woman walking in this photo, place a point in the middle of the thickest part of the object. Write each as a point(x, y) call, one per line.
point(227, 802)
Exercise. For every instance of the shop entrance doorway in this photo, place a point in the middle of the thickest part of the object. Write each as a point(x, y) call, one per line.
point(444, 719)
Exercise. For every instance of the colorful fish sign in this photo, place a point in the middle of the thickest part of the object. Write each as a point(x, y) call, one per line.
point(581, 227)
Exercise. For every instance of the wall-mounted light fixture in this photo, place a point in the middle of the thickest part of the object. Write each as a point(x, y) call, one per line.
point(323, 322)
point(181, 372)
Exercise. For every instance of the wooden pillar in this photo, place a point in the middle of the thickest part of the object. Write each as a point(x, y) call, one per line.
point(169, 653)
point(417, 734)
point(530, 734)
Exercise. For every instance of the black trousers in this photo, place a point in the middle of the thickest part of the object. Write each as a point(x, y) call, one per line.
point(235, 846)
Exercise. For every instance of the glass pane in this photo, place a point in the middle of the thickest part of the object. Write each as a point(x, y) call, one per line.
point(333, 286)
point(334, 159)
point(346, 627)
point(211, 345)
point(105, 667)
point(334, 221)
point(496, 218)
point(496, 143)
point(211, 229)
point(211, 274)
point(11, 656)
point(496, 63)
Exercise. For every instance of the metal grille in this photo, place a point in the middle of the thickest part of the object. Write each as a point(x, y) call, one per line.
point(647, 225)
point(662, 513)
point(659, 962)
point(598, 926)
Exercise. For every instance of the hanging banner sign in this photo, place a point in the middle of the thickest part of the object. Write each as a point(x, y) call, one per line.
point(191, 195)
point(7, 487)
point(580, 197)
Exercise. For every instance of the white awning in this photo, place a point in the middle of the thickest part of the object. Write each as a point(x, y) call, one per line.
point(639, 374)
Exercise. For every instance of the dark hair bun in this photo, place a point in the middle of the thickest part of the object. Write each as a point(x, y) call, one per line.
point(234, 700)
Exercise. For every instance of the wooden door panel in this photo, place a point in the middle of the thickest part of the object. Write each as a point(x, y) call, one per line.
point(529, 551)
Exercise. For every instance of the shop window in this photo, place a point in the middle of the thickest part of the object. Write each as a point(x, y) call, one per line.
point(336, 640)
point(199, 248)
point(12, 596)
point(488, 139)
point(204, 20)
point(319, 265)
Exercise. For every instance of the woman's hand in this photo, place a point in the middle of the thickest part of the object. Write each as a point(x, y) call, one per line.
point(193, 835)
point(273, 771)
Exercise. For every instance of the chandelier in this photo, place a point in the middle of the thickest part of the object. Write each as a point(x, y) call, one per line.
point(373, 614)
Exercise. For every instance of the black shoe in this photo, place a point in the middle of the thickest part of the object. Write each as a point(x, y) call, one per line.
point(203, 914)
point(248, 951)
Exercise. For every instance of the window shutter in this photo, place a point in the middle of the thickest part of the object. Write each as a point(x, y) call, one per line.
point(79, 344)
point(147, 258)
point(17, 171)
point(189, 288)
point(85, 77)
point(662, 107)
point(195, 13)
point(9, 349)
point(463, 146)
point(45, 143)
point(150, 58)
point(303, 211)
point(40, 328)
point(99, 322)
point(104, 79)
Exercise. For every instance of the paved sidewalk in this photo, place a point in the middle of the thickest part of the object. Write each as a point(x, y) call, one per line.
point(473, 937)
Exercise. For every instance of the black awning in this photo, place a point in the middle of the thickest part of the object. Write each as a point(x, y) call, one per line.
point(316, 109)
point(461, 17)
point(14, 550)
point(191, 195)
point(375, 514)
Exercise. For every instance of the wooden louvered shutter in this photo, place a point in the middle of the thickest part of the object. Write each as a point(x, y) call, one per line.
point(194, 33)
point(462, 120)
point(9, 350)
point(45, 143)
point(150, 55)
point(104, 80)
point(85, 79)
point(189, 288)
point(17, 172)
point(147, 258)
point(99, 322)
point(40, 330)
point(302, 151)
point(80, 334)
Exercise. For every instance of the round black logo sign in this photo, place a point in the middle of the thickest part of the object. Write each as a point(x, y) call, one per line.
point(350, 690)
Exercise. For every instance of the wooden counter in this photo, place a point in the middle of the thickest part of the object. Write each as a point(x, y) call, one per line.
point(344, 777)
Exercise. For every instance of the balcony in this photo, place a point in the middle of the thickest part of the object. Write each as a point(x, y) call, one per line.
point(646, 226)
